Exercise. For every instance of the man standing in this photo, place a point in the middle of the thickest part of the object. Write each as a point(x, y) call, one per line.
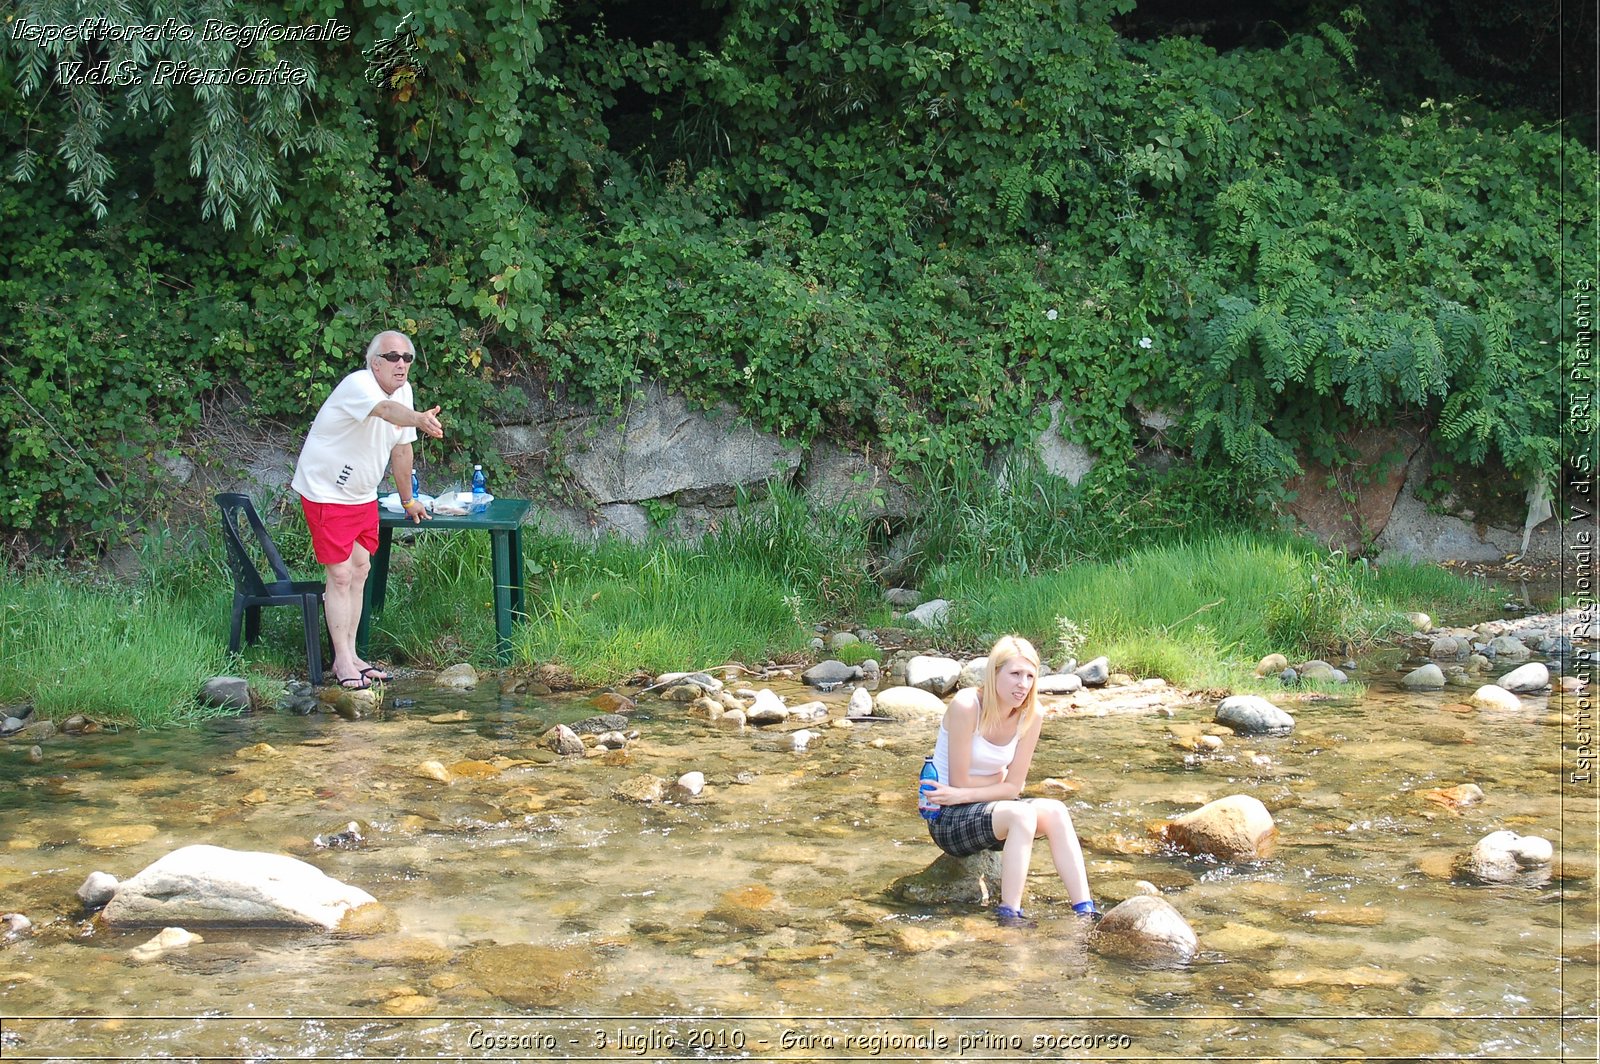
point(367, 424)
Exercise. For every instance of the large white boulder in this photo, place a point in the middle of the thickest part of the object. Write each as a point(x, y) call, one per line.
point(1492, 696)
point(213, 886)
point(1526, 679)
point(908, 703)
point(933, 673)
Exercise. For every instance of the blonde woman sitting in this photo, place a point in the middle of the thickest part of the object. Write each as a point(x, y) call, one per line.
point(985, 747)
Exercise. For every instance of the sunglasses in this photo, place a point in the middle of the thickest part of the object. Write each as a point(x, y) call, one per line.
point(397, 356)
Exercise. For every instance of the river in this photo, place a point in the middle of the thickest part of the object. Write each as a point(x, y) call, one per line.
point(538, 916)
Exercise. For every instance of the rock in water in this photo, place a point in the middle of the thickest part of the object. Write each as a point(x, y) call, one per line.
point(213, 886)
point(1234, 828)
point(563, 740)
point(1428, 678)
point(1490, 696)
point(1506, 857)
point(768, 708)
point(950, 880)
point(1145, 929)
point(170, 938)
point(1254, 715)
point(908, 703)
point(830, 673)
point(932, 673)
point(689, 785)
point(97, 889)
point(1509, 648)
point(645, 790)
point(1527, 679)
point(605, 722)
point(457, 677)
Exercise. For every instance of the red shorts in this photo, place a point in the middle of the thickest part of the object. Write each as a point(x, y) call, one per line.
point(336, 528)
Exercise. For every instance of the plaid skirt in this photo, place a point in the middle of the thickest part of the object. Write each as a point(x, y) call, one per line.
point(963, 830)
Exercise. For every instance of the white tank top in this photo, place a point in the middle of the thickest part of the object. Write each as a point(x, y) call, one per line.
point(987, 758)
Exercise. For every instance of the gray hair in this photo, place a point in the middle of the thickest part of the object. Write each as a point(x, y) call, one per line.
point(377, 342)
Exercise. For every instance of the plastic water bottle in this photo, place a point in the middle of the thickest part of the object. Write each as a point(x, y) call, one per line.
point(416, 483)
point(480, 490)
point(925, 782)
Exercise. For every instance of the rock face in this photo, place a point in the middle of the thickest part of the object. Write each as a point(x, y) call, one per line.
point(1146, 929)
point(908, 703)
point(839, 479)
point(661, 446)
point(1350, 511)
point(1235, 828)
point(1254, 715)
point(212, 886)
point(1506, 857)
point(932, 673)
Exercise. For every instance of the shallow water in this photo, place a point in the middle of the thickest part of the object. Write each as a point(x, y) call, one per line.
point(536, 908)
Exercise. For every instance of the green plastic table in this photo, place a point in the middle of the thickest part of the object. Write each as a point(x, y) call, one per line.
point(503, 521)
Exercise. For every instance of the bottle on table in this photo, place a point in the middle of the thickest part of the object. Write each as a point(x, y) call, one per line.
point(480, 490)
point(925, 782)
point(416, 483)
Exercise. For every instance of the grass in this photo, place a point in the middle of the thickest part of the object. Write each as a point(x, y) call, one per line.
point(116, 654)
point(1202, 613)
point(1198, 608)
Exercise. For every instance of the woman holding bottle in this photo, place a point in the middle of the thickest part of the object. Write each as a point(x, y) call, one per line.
point(985, 748)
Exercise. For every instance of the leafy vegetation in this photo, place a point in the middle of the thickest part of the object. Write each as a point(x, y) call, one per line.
point(1198, 612)
point(916, 224)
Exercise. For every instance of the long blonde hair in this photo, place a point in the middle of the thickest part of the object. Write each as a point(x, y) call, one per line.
point(990, 715)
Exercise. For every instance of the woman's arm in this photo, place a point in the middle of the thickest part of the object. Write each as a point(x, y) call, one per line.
point(961, 722)
point(1017, 772)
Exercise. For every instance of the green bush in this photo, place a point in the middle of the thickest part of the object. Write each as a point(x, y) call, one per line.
point(916, 225)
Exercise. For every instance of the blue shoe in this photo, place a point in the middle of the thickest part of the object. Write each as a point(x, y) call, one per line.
point(1087, 909)
point(1006, 916)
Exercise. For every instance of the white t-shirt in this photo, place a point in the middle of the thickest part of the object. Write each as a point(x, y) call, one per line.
point(347, 450)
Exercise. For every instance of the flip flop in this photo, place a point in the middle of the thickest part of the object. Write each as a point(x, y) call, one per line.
point(375, 674)
point(353, 683)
